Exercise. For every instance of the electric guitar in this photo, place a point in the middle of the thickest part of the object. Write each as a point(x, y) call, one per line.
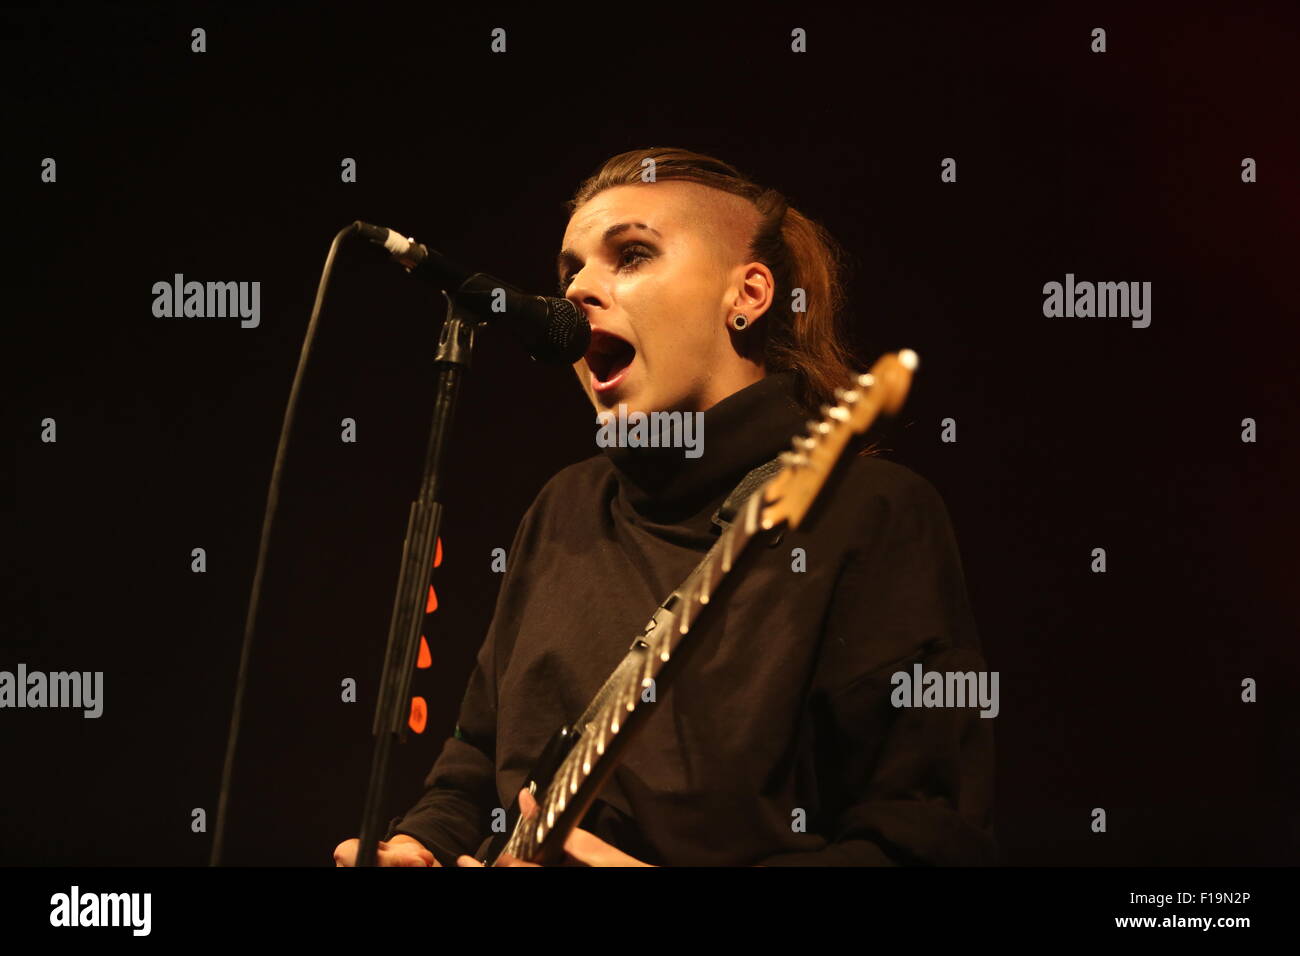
point(579, 758)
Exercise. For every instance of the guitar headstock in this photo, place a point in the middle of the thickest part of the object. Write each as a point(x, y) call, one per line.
point(790, 492)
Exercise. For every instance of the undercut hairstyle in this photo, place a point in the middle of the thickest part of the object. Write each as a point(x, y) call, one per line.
point(801, 253)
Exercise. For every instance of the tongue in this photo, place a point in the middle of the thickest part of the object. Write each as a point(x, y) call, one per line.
point(614, 361)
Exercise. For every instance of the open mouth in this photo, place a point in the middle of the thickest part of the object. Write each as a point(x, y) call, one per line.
point(608, 357)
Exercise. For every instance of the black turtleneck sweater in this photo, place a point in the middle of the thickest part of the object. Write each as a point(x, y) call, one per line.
point(782, 714)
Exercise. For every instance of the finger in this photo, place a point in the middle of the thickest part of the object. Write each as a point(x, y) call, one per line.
point(385, 855)
point(345, 854)
point(527, 805)
point(586, 847)
point(466, 860)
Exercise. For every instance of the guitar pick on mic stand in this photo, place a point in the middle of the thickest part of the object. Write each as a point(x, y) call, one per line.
point(455, 348)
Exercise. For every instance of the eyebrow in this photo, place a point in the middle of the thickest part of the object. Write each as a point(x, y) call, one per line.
point(568, 257)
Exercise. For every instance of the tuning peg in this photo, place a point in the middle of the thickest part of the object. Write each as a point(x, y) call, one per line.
point(866, 380)
point(802, 444)
point(847, 396)
point(793, 460)
point(818, 428)
point(909, 359)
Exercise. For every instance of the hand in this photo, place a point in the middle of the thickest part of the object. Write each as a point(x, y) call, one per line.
point(401, 850)
point(581, 846)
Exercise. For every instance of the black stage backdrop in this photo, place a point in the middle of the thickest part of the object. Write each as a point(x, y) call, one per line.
point(1121, 690)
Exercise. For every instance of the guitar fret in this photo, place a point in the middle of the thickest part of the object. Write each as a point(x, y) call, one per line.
point(631, 695)
point(647, 671)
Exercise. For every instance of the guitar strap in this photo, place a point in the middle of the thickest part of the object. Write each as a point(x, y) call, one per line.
point(723, 517)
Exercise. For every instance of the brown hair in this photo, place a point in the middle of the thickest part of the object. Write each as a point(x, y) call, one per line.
point(800, 253)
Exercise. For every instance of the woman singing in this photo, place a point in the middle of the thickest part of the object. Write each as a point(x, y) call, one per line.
point(777, 743)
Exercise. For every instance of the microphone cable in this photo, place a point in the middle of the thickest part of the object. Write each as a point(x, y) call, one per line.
point(272, 502)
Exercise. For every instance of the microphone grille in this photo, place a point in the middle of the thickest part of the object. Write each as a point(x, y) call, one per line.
point(568, 333)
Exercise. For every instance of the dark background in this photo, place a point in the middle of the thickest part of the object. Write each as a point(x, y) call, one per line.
point(1119, 690)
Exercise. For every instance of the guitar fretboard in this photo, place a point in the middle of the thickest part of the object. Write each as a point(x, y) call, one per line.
point(579, 776)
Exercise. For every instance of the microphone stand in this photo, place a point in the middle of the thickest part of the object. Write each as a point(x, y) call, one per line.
point(455, 348)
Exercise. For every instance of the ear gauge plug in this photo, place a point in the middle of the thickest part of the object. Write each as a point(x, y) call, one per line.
point(739, 323)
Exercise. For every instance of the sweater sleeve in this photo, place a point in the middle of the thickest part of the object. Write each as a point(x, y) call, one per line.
point(452, 816)
point(900, 785)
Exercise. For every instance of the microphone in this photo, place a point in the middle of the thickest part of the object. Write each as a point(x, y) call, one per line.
point(553, 330)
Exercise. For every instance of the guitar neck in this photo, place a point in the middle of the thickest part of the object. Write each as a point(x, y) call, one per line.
point(617, 719)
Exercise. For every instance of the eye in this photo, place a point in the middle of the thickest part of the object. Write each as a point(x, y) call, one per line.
point(638, 252)
point(629, 257)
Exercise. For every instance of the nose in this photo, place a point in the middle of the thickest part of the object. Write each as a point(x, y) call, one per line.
point(584, 293)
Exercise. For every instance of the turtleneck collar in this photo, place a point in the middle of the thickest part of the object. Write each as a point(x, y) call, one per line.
point(661, 486)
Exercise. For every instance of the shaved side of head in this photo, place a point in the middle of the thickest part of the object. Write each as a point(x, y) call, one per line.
point(730, 221)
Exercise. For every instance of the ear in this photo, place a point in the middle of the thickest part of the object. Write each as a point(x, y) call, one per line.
point(755, 291)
